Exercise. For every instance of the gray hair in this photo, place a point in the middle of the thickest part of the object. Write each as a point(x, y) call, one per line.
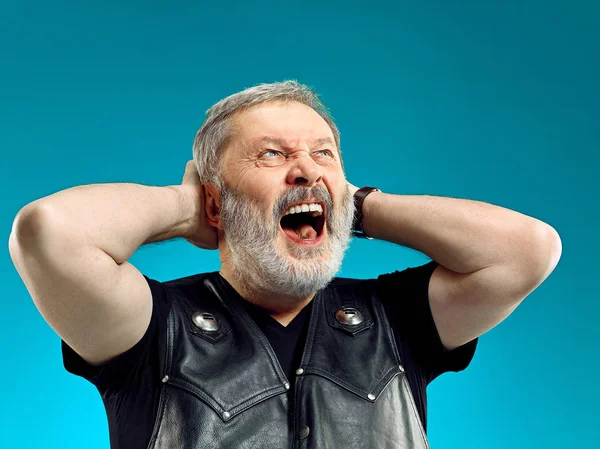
point(217, 129)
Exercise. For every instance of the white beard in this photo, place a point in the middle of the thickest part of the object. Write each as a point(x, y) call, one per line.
point(258, 262)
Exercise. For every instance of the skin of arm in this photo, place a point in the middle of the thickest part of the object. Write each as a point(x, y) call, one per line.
point(71, 249)
point(115, 217)
point(490, 257)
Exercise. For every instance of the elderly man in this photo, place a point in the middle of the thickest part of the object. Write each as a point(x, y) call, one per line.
point(272, 351)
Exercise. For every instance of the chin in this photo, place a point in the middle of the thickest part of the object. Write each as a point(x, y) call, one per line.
point(305, 253)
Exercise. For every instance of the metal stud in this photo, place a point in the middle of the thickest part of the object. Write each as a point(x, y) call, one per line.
point(349, 316)
point(371, 396)
point(286, 386)
point(206, 321)
point(165, 379)
point(304, 431)
point(401, 368)
point(226, 415)
point(299, 371)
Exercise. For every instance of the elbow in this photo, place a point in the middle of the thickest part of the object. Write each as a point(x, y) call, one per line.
point(544, 254)
point(27, 226)
point(31, 224)
point(550, 248)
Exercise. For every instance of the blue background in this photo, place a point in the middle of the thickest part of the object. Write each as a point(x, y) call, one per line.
point(494, 101)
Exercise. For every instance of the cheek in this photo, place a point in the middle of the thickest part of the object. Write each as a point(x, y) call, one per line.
point(263, 194)
point(337, 186)
point(256, 184)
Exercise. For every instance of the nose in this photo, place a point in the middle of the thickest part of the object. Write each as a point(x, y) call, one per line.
point(305, 172)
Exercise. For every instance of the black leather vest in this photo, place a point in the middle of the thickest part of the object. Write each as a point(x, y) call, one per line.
point(226, 389)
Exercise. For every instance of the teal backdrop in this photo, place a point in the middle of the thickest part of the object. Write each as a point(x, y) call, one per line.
point(495, 101)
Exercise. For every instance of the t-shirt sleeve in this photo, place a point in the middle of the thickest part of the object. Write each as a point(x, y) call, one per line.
point(115, 373)
point(405, 295)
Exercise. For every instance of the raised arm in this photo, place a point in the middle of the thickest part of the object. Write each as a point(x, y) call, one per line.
point(71, 250)
point(490, 257)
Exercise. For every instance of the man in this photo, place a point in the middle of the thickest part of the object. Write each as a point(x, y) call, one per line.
point(272, 351)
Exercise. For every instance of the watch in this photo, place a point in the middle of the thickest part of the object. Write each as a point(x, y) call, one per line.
point(359, 198)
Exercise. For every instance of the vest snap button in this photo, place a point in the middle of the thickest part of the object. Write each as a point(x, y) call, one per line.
point(205, 321)
point(349, 316)
point(401, 369)
point(286, 386)
point(299, 371)
point(226, 415)
point(371, 396)
point(304, 432)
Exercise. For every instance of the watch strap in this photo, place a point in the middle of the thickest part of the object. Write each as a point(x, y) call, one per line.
point(359, 199)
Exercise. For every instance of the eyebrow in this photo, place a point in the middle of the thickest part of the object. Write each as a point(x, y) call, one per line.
point(282, 142)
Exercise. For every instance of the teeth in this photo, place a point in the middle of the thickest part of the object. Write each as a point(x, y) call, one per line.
point(313, 207)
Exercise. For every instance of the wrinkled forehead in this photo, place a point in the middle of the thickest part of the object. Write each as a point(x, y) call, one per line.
point(291, 125)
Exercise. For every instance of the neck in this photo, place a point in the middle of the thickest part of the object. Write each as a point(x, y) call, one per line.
point(280, 306)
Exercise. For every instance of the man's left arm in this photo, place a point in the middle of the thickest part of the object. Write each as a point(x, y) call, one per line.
point(490, 257)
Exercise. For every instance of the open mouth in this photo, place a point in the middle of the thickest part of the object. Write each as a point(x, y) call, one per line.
point(304, 222)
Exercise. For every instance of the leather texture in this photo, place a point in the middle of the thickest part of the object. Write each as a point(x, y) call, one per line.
point(359, 199)
point(226, 389)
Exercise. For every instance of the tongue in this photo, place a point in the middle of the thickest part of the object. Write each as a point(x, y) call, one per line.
point(306, 232)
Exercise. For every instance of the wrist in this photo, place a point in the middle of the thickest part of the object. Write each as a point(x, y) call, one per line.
point(188, 202)
point(370, 205)
point(360, 197)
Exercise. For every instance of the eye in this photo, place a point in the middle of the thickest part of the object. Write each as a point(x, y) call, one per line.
point(270, 154)
point(326, 153)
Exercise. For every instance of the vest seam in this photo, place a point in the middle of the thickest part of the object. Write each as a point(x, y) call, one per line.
point(404, 380)
point(305, 361)
point(212, 403)
point(165, 369)
point(170, 339)
point(385, 380)
point(386, 324)
point(406, 387)
point(159, 417)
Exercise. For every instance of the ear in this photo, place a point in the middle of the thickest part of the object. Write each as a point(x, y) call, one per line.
point(212, 205)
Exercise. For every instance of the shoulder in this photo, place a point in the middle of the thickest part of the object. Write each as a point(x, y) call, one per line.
point(341, 281)
point(188, 283)
point(411, 277)
point(191, 288)
point(410, 281)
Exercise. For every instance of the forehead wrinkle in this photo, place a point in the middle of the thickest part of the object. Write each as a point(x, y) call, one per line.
point(266, 140)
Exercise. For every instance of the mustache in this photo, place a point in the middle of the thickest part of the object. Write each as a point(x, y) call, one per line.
point(297, 195)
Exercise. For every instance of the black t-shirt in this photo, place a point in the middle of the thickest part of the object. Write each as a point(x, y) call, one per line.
point(129, 384)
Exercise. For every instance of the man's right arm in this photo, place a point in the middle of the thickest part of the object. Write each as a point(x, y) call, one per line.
point(71, 250)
